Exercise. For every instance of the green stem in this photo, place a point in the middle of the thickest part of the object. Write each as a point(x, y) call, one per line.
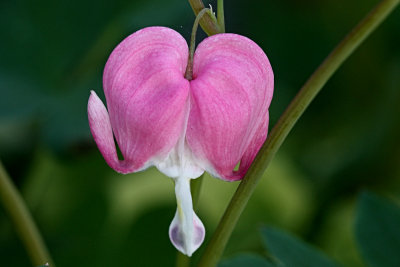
point(286, 122)
point(208, 23)
point(182, 260)
point(23, 221)
point(189, 67)
point(220, 15)
point(195, 187)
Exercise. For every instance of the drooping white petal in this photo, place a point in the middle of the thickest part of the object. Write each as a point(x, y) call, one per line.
point(186, 231)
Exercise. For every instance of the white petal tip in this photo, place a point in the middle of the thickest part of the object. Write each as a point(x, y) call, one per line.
point(187, 243)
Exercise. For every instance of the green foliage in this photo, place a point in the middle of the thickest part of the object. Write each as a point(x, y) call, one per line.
point(291, 252)
point(284, 250)
point(249, 260)
point(378, 231)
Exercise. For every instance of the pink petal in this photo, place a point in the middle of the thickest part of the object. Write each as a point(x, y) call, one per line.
point(147, 94)
point(230, 96)
point(253, 148)
point(100, 126)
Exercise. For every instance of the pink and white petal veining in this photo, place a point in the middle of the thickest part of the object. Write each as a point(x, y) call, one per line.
point(230, 95)
point(100, 127)
point(146, 93)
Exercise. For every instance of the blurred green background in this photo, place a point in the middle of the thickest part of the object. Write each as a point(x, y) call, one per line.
point(52, 54)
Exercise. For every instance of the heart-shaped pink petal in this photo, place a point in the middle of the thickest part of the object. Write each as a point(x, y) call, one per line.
point(146, 95)
point(230, 95)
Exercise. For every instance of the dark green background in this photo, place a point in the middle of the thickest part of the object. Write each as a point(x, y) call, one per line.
point(52, 54)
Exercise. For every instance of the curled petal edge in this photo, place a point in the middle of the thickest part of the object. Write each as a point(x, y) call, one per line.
point(100, 126)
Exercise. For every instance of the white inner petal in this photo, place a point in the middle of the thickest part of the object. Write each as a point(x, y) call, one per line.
point(180, 162)
point(186, 230)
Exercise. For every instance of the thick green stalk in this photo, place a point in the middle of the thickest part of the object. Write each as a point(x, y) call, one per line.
point(23, 221)
point(286, 122)
point(209, 22)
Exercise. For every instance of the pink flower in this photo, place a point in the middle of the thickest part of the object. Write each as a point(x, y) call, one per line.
point(183, 128)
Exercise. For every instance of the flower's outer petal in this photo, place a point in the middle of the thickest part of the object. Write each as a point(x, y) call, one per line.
point(230, 96)
point(100, 127)
point(253, 148)
point(147, 94)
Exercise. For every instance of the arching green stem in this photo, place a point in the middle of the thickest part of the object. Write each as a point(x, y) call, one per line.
point(286, 122)
point(189, 68)
point(23, 221)
point(209, 22)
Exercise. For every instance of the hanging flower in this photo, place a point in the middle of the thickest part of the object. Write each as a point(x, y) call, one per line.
point(211, 123)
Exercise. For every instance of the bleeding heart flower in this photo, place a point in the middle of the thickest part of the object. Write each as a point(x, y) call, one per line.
point(159, 118)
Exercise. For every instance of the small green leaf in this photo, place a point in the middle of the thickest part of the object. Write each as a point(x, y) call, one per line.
point(250, 260)
point(292, 252)
point(377, 231)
